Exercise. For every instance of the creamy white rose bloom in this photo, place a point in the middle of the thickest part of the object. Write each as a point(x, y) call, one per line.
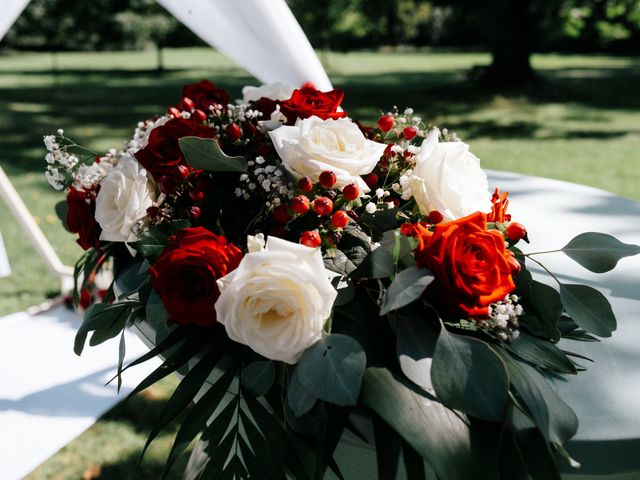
point(273, 91)
point(277, 300)
point(448, 178)
point(314, 145)
point(123, 199)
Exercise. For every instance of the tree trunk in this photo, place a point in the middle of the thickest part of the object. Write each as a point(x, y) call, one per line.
point(511, 28)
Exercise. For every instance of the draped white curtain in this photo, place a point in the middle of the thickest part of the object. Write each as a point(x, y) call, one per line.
point(4, 261)
point(10, 10)
point(262, 36)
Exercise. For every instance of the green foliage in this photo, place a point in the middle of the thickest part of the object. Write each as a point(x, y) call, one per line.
point(407, 286)
point(598, 252)
point(205, 154)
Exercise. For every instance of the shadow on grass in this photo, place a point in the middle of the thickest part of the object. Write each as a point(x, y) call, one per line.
point(100, 106)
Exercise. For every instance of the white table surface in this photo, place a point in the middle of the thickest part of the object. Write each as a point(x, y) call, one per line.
point(48, 395)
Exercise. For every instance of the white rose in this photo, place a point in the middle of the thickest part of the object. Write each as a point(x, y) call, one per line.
point(314, 145)
point(277, 300)
point(124, 196)
point(448, 178)
point(273, 91)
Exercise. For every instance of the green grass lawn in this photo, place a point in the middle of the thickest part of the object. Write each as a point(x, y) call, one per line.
point(581, 123)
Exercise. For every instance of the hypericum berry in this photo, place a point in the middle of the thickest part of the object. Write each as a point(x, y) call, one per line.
point(183, 170)
point(174, 112)
point(516, 231)
point(300, 204)
point(196, 195)
point(322, 206)
point(409, 132)
point(168, 184)
point(195, 212)
point(354, 215)
point(305, 184)
point(233, 131)
point(435, 217)
point(371, 179)
point(187, 104)
point(310, 238)
point(281, 214)
point(386, 123)
point(328, 179)
point(200, 115)
point(340, 219)
point(351, 192)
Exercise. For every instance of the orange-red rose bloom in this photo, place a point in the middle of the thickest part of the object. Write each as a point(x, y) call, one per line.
point(499, 205)
point(308, 102)
point(185, 274)
point(470, 264)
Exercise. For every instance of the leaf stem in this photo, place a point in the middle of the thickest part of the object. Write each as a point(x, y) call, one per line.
point(547, 270)
point(541, 253)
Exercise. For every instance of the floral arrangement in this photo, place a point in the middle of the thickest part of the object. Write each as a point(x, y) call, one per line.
point(312, 278)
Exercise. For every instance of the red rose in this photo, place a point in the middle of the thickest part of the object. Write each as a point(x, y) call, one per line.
point(469, 262)
point(81, 218)
point(162, 155)
point(204, 94)
point(307, 102)
point(185, 274)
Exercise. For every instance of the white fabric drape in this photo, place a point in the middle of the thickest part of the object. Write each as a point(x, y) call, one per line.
point(10, 10)
point(5, 270)
point(262, 36)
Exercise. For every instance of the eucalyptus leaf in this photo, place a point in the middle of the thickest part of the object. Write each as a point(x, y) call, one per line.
point(415, 345)
point(467, 375)
point(438, 434)
point(332, 369)
point(205, 154)
point(407, 286)
point(258, 377)
point(547, 307)
point(154, 309)
point(299, 398)
point(598, 252)
point(382, 265)
point(589, 308)
point(388, 446)
point(541, 352)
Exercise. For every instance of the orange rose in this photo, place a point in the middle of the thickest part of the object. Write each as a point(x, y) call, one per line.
point(470, 264)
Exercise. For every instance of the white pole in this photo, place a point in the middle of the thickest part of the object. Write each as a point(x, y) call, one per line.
point(31, 228)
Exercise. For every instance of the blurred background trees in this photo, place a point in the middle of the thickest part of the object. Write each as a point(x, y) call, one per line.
point(509, 29)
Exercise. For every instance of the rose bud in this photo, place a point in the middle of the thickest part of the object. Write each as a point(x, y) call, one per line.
point(187, 104)
point(351, 192)
point(183, 170)
point(388, 151)
point(386, 123)
point(340, 219)
point(196, 195)
point(435, 217)
point(153, 212)
point(311, 238)
point(371, 179)
point(174, 112)
point(249, 129)
point(281, 215)
point(195, 212)
point(233, 132)
point(409, 132)
point(300, 204)
point(322, 206)
point(200, 115)
point(305, 184)
point(328, 179)
point(168, 184)
point(516, 231)
point(514, 264)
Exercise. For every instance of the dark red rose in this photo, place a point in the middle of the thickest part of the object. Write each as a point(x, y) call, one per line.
point(470, 264)
point(185, 274)
point(81, 218)
point(162, 155)
point(204, 94)
point(307, 102)
point(266, 106)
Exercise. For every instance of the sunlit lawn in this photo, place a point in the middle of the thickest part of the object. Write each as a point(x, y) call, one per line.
point(581, 124)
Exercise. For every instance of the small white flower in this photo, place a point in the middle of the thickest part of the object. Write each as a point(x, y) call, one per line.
point(371, 207)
